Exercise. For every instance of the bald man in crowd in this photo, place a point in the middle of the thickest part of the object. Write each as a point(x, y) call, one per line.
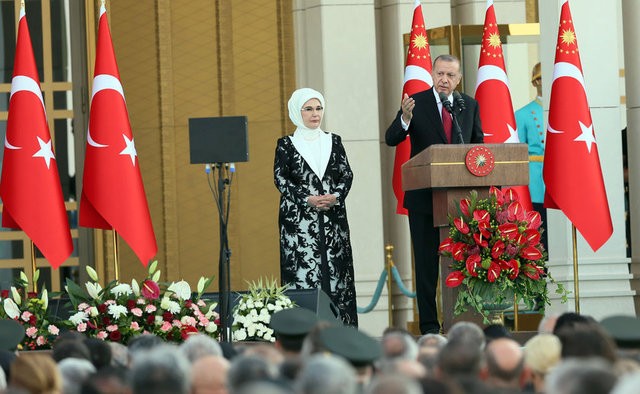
point(209, 375)
point(504, 370)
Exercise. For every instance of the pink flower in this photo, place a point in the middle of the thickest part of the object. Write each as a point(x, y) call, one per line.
point(188, 320)
point(26, 315)
point(150, 308)
point(201, 303)
point(166, 326)
point(203, 321)
point(141, 301)
point(82, 327)
point(53, 330)
point(112, 328)
point(41, 340)
point(83, 306)
point(102, 335)
point(31, 332)
point(134, 326)
point(136, 312)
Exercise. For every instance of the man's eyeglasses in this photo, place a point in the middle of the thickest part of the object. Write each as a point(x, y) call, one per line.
point(311, 109)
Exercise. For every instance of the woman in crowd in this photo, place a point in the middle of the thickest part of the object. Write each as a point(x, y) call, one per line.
point(313, 175)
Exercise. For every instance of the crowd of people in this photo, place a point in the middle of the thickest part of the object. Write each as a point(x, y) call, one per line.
point(570, 354)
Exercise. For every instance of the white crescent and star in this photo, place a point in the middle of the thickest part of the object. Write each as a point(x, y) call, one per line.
point(21, 83)
point(490, 72)
point(569, 70)
point(103, 82)
point(130, 149)
point(45, 151)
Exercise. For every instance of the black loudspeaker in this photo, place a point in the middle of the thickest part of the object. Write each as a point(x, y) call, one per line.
point(218, 140)
point(315, 300)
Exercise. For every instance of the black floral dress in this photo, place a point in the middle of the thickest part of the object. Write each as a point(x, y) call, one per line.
point(315, 246)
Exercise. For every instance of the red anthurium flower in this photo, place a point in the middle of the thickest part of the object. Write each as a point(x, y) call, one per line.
point(493, 272)
point(481, 215)
point(531, 253)
point(531, 271)
point(497, 249)
point(534, 220)
point(457, 251)
point(516, 211)
point(473, 262)
point(464, 206)
point(510, 194)
point(498, 193)
point(521, 239)
point(513, 268)
point(461, 225)
point(484, 228)
point(502, 264)
point(480, 240)
point(532, 237)
point(454, 279)
point(508, 230)
point(445, 246)
point(150, 290)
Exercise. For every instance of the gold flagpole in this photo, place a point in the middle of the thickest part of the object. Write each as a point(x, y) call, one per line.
point(576, 286)
point(116, 263)
point(33, 266)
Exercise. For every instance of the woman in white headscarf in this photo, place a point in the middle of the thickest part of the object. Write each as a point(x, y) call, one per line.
point(313, 175)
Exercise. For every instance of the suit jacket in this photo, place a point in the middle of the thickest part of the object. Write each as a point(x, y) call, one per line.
point(426, 129)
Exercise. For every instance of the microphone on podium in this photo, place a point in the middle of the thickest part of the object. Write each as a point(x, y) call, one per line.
point(460, 104)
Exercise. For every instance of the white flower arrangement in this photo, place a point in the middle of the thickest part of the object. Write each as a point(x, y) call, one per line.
point(252, 313)
point(30, 310)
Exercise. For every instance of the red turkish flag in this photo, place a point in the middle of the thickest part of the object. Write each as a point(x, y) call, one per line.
point(493, 95)
point(113, 194)
point(417, 78)
point(571, 168)
point(30, 186)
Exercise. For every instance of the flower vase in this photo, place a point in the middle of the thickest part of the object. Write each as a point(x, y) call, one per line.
point(496, 313)
point(495, 310)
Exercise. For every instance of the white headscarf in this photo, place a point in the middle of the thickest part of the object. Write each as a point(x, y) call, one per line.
point(313, 144)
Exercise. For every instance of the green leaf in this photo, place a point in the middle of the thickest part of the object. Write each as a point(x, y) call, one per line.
point(76, 293)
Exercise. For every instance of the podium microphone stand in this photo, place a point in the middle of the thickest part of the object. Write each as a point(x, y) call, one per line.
point(224, 173)
point(221, 141)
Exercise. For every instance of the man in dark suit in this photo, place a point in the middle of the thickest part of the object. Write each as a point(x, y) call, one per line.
point(421, 117)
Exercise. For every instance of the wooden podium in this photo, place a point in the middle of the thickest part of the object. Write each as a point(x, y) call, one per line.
point(447, 170)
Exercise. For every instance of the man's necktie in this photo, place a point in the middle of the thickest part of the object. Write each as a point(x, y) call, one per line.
point(447, 123)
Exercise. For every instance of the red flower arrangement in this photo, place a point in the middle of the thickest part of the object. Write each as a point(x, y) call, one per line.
point(497, 254)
